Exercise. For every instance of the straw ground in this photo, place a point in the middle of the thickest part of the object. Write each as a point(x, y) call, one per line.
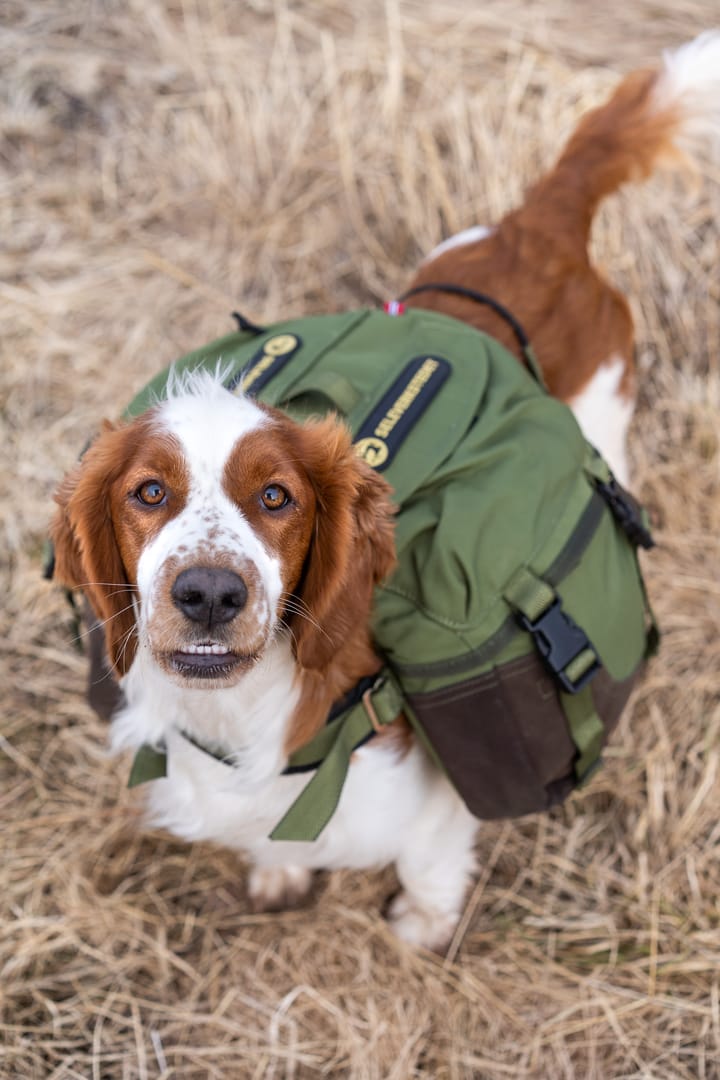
point(166, 162)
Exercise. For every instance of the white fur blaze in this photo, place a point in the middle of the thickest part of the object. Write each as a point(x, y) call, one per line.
point(604, 415)
point(468, 236)
point(690, 78)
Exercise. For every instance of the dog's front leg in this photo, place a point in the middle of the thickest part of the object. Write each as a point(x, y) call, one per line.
point(277, 888)
point(434, 871)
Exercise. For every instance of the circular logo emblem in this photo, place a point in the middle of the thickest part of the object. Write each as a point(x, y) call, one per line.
point(280, 345)
point(372, 450)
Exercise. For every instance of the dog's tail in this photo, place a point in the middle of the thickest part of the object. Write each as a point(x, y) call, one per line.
point(653, 116)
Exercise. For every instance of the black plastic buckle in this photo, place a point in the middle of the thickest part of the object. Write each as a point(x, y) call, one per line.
point(245, 326)
point(559, 640)
point(627, 512)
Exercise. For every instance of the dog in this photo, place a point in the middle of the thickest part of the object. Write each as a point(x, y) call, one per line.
point(231, 554)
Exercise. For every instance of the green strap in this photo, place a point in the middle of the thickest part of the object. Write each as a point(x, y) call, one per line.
point(529, 594)
point(532, 596)
point(597, 469)
point(317, 802)
point(329, 753)
point(148, 764)
point(586, 729)
point(581, 665)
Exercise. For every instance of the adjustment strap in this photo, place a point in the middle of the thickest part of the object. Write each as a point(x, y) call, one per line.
point(627, 511)
point(564, 647)
point(528, 594)
point(633, 519)
point(587, 732)
point(567, 652)
point(329, 752)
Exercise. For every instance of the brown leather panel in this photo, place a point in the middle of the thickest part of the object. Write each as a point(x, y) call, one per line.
point(504, 739)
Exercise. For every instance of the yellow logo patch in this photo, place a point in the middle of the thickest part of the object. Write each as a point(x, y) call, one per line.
point(373, 451)
point(401, 406)
point(272, 350)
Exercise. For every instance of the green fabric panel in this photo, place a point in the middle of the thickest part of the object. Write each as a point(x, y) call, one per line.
point(464, 533)
point(321, 335)
point(604, 595)
point(372, 357)
point(532, 362)
point(336, 390)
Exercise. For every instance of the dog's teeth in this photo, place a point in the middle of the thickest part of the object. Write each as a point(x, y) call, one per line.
point(206, 650)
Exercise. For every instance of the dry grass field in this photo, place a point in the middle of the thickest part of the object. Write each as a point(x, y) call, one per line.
point(163, 162)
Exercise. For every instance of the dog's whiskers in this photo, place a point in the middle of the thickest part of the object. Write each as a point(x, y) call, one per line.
point(127, 637)
point(120, 586)
point(99, 623)
point(294, 605)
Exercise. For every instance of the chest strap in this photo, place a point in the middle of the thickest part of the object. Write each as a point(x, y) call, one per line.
point(378, 703)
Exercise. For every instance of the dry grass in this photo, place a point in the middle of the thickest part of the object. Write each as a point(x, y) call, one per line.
point(162, 163)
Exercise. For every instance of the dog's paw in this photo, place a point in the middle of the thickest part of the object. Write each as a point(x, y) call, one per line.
point(277, 888)
point(420, 926)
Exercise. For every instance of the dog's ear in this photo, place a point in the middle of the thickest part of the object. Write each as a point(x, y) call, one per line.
point(87, 555)
point(352, 547)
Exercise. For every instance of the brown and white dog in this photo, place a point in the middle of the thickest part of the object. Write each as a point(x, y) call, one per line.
point(231, 554)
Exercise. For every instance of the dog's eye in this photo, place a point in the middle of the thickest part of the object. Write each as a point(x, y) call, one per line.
point(274, 497)
point(151, 493)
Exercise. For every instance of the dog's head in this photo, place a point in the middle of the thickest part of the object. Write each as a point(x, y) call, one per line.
point(208, 524)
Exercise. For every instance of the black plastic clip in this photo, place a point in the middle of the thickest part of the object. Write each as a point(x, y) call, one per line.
point(559, 641)
point(245, 325)
point(627, 512)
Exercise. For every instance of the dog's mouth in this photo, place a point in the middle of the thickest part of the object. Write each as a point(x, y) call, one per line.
point(209, 660)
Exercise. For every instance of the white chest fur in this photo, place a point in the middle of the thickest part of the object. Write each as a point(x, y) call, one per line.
point(387, 795)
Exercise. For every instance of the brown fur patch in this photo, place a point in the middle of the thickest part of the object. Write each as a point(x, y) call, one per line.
point(351, 550)
point(100, 528)
point(536, 261)
point(270, 456)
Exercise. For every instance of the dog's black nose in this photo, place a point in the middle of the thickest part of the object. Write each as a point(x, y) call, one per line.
point(209, 596)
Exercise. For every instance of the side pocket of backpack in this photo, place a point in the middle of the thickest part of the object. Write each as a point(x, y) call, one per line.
point(503, 738)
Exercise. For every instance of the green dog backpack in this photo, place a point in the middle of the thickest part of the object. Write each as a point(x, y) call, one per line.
point(516, 621)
